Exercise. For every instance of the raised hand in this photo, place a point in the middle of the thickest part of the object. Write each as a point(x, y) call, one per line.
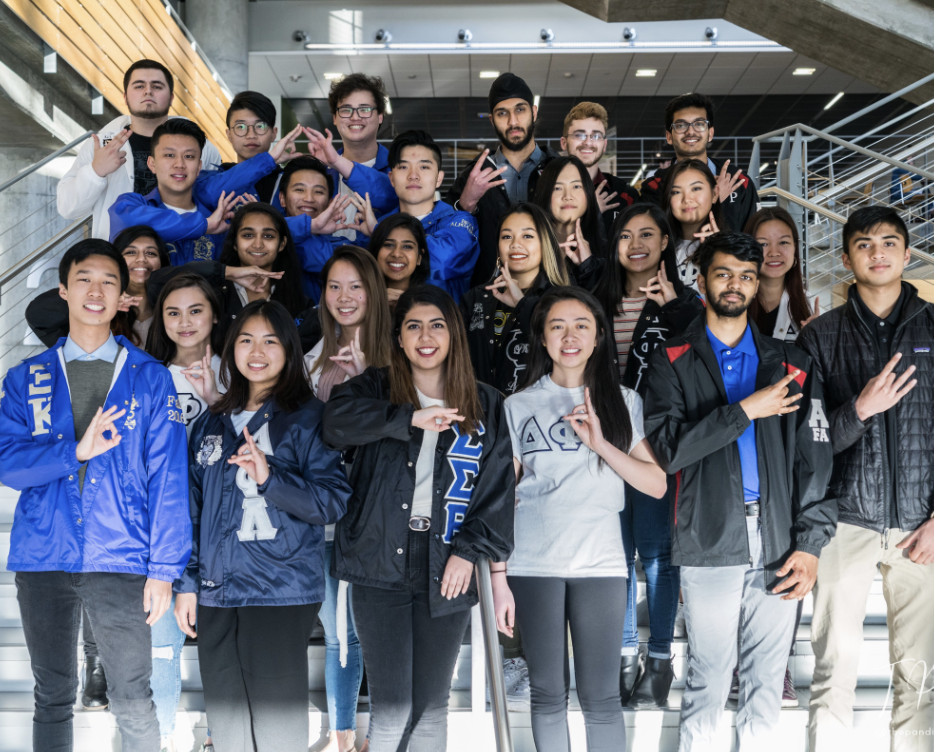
point(321, 145)
point(726, 183)
point(708, 229)
point(202, 378)
point(251, 277)
point(186, 613)
point(252, 459)
point(576, 246)
point(435, 419)
point(350, 359)
point(479, 181)
point(284, 149)
point(586, 424)
point(772, 400)
point(604, 197)
point(127, 301)
point(246, 198)
point(814, 315)
point(659, 288)
point(505, 289)
point(219, 220)
point(884, 390)
point(331, 218)
point(108, 159)
point(365, 220)
point(94, 443)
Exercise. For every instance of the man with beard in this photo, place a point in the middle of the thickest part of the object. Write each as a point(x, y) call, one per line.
point(490, 184)
point(731, 415)
point(584, 137)
point(115, 160)
point(689, 130)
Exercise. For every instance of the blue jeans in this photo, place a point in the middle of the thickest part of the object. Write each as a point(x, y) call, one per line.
point(166, 682)
point(646, 530)
point(342, 682)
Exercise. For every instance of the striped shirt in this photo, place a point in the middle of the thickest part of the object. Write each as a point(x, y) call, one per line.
point(624, 324)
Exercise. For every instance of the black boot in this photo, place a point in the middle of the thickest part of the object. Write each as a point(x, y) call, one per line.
point(629, 668)
point(94, 696)
point(653, 686)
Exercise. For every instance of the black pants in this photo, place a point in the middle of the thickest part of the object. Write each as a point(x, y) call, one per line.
point(51, 604)
point(595, 608)
point(254, 669)
point(87, 633)
point(409, 658)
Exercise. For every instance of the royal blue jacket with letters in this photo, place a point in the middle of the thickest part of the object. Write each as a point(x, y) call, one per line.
point(185, 233)
point(313, 252)
point(262, 545)
point(132, 516)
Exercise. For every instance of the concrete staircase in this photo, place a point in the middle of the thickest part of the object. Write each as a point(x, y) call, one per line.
point(647, 730)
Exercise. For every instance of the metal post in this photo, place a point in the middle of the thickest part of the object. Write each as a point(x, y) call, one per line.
point(494, 661)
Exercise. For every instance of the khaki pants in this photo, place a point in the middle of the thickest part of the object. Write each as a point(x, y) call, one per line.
point(847, 568)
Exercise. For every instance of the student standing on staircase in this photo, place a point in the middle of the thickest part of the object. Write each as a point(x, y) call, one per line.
point(89, 434)
point(871, 353)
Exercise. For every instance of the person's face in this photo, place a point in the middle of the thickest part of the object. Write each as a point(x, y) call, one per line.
point(176, 162)
point(399, 255)
point(570, 334)
point(249, 134)
point(258, 354)
point(568, 200)
point(730, 285)
point(142, 259)
point(425, 338)
point(258, 241)
point(877, 258)
point(356, 128)
point(148, 95)
point(520, 246)
point(188, 317)
point(513, 121)
point(778, 247)
point(579, 142)
point(93, 291)
point(641, 244)
point(307, 193)
point(344, 294)
point(691, 143)
point(691, 197)
point(416, 177)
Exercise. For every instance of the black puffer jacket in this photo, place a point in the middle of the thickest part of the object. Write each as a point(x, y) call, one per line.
point(845, 358)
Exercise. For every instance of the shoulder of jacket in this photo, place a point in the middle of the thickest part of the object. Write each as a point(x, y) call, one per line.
point(489, 396)
point(675, 348)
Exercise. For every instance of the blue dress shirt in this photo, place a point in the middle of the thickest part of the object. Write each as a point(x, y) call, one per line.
point(108, 351)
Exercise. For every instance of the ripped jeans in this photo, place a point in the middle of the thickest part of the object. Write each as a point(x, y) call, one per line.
point(166, 682)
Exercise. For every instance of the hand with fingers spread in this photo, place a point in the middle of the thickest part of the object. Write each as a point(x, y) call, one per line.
point(331, 219)
point(219, 220)
point(127, 301)
point(94, 443)
point(801, 571)
point(157, 597)
point(284, 149)
point(920, 544)
point(481, 178)
point(726, 183)
point(321, 145)
point(365, 221)
point(772, 400)
point(504, 604)
point(456, 579)
point(251, 277)
point(586, 424)
point(435, 418)
point(186, 613)
point(350, 358)
point(604, 197)
point(505, 289)
point(576, 246)
point(110, 158)
point(202, 378)
point(814, 315)
point(659, 288)
point(708, 229)
point(884, 390)
point(252, 459)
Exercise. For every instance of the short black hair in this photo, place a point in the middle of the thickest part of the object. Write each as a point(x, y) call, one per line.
point(148, 65)
point(259, 104)
point(305, 163)
point(341, 88)
point(737, 244)
point(865, 220)
point(412, 138)
point(84, 249)
point(177, 126)
point(683, 102)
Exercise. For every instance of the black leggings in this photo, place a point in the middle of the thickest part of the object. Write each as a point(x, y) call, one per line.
point(595, 608)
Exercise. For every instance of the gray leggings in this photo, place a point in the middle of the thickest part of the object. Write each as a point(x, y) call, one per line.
point(595, 609)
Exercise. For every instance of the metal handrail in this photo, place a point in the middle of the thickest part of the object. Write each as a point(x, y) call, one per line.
point(43, 250)
point(876, 105)
point(493, 660)
point(43, 162)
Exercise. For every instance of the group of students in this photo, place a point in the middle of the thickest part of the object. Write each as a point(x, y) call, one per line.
point(317, 391)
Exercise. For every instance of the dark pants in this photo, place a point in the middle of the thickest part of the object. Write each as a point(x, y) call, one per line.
point(51, 605)
point(595, 608)
point(87, 634)
point(254, 669)
point(409, 658)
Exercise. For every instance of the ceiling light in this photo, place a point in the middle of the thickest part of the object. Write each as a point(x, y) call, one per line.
point(646, 73)
point(388, 106)
point(332, 76)
point(568, 74)
point(804, 72)
point(536, 99)
point(638, 174)
point(489, 74)
point(833, 101)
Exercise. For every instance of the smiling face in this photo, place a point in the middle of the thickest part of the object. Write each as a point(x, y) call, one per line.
point(147, 95)
point(641, 244)
point(258, 241)
point(425, 338)
point(568, 200)
point(730, 285)
point(345, 295)
point(188, 318)
point(416, 177)
point(520, 247)
point(570, 335)
point(398, 256)
point(307, 193)
point(513, 121)
point(259, 355)
point(586, 150)
point(877, 258)
point(176, 162)
point(778, 247)
point(355, 128)
point(691, 197)
point(251, 142)
point(93, 291)
point(142, 259)
point(690, 143)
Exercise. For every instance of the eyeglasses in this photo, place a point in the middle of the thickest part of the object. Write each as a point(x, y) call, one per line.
point(583, 137)
point(260, 128)
point(348, 112)
point(698, 126)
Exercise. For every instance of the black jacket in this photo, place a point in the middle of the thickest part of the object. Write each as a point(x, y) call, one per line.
point(845, 358)
point(474, 494)
point(490, 209)
point(742, 204)
point(693, 430)
point(626, 196)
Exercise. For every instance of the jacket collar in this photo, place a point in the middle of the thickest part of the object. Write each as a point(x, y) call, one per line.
point(912, 305)
point(441, 210)
point(153, 198)
point(265, 414)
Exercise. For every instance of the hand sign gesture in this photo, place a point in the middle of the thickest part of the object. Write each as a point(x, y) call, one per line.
point(435, 419)
point(481, 178)
point(505, 289)
point(127, 301)
point(350, 359)
point(726, 183)
point(576, 246)
point(604, 197)
point(708, 229)
point(331, 219)
point(659, 288)
point(252, 277)
point(365, 221)
point(884, 390)
point(814, 315)
point(251, 459)
point(219, 220)
point(321, 145)
point(586, 424)
point(202, 378)
point(284, 149)
point(772, 400)
point(110, 158)
point(94, 443)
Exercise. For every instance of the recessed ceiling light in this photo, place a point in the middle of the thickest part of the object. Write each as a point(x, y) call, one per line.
point(804, 72)
point(568, 74)
point(489, 74)
point(646, 73)
point(332, 76)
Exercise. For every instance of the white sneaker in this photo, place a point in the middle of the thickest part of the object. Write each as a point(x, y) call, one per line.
point(680, 628)
point(512, 671)
point(518, 699)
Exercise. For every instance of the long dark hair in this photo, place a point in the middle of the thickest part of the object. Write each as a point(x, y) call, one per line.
point(611, 287)
point(407, 221)
point(124, 320)
point(553, 266)
point(288, 290)
point(601, 374)
point(460, 386)
point(291, 390)
point(674, 172)
point(591, 221)
point(798, 305)
point(158, 343)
